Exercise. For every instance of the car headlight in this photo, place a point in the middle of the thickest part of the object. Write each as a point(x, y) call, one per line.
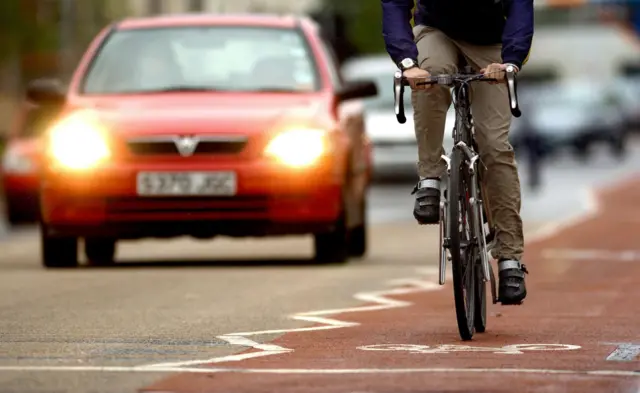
point(16, 162)
point(299, 147)
point(78, 142)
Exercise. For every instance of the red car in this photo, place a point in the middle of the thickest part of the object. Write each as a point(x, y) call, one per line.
point(21, 168)
point(204, 125)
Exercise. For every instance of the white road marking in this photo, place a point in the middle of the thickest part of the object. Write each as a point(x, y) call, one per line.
point(380, 301)
point(515, 349)
point(587, 254)
point(625, 352)
point(207, 370)
point(591, 207)
point(590, 203)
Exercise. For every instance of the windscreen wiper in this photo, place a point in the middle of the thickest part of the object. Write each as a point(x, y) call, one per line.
point(273, 90)
point(180, 88)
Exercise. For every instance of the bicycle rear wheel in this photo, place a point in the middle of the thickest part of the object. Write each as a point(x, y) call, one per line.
point(459, 228)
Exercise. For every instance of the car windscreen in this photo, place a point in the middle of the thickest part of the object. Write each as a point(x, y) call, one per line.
point(206, 58)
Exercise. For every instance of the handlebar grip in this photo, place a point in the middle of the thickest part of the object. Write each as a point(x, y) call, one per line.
point(512, 88)
point(398, 92)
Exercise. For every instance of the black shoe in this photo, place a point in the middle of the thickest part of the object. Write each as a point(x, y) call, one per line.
point(512, 289)
point(427, 206)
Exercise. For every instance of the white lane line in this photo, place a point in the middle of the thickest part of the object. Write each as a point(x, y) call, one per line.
point(590, 202)
point(588, 254)
point(591, 206)
point(379, 299)
point(208, 370)
point(625, 352)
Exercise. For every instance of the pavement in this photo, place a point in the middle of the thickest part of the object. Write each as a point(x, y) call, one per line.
point(257, 315)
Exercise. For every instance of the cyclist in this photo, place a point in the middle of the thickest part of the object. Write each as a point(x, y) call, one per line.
point(489, 35)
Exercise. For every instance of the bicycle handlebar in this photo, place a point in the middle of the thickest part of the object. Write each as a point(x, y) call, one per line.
point(399, 82)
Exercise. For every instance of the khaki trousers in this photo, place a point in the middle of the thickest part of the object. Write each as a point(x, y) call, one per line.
point(490, 108)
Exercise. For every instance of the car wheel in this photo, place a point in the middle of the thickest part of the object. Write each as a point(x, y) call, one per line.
point(333, 246)
point(99, 251)
point(15, 217)
point(582, 150)
point(358, 235)
point(59, 252)
point(619, 147)
point(17, 214)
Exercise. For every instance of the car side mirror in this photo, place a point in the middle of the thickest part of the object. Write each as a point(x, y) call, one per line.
point(45, 91)
point(358, 89)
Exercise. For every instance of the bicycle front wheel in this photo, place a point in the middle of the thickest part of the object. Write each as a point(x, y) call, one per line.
point(464, 274)
point(480, 298)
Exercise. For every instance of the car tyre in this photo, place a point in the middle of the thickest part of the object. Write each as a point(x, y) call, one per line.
point(358, 236)
point(619, 147)
point(100, 251)
point(15, 217)
point(582, 150)
point(18, 215)
point(59, 252)
point(333, 246)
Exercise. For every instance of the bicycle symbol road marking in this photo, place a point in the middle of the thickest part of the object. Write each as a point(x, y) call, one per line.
point(516, 349)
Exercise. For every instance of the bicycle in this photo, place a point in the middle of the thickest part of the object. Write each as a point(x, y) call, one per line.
point(467, 245)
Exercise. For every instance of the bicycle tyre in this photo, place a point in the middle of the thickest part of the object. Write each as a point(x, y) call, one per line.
point(480, 322)
point(464, 299)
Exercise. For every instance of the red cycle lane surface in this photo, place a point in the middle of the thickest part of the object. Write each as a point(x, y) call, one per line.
point(584, 297)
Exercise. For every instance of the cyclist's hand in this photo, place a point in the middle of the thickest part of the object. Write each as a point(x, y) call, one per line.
point(495, 71)
point(415, 75)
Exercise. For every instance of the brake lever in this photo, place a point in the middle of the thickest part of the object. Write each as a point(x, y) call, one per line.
point(398, 95)
point(512, 88)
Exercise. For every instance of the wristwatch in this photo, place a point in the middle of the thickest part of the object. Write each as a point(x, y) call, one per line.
point(407, 63)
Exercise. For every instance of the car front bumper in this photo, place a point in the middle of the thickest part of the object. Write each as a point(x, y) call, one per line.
point(270, 200)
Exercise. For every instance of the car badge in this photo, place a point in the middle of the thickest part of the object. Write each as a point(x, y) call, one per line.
point(186, 145)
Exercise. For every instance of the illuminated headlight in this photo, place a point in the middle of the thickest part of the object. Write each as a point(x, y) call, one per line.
point(15, 162)
point(299, 147)
point(77, 143)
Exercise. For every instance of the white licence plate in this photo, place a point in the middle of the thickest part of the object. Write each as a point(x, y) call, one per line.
point(186, 183)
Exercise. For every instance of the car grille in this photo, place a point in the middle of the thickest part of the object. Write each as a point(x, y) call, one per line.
point(237, 204)
point(167, 147)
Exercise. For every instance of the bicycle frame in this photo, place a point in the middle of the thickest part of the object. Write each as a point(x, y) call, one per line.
point(463, 136)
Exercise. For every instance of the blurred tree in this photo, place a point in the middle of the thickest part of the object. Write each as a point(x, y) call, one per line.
point(22, 28)
point(10, 27)
point(364, 30)
point(31, 30)
point(196, 5)
point(95, 15)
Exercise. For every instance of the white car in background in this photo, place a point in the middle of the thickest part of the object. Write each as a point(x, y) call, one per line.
point(395, 151)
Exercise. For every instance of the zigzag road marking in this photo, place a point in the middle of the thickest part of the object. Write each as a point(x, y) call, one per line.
point(380, 301)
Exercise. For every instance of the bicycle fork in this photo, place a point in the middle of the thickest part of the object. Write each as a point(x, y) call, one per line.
point(476, 203)
point(477, 216)
point(443, 224)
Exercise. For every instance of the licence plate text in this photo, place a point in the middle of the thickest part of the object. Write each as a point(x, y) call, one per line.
point(186, 183)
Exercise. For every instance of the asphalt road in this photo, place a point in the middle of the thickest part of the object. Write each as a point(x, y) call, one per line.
point(171, 301)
